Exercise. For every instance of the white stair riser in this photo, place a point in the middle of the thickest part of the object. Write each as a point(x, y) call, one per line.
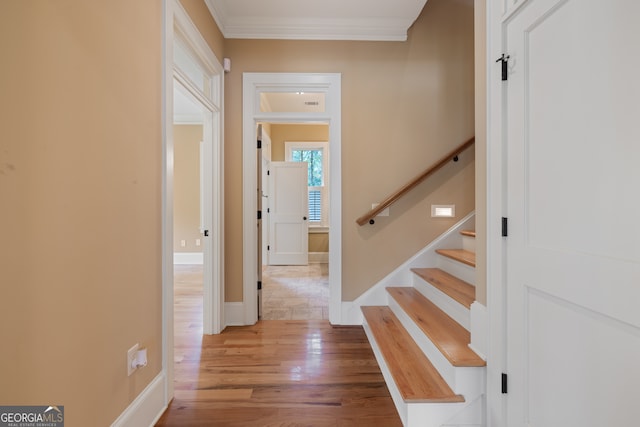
point(453, 308)
point(458, 269)
point(467, 381)
point(471, 416)
point(434, 414)
point(469, 243)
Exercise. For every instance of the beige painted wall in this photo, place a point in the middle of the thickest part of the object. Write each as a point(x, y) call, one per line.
point(80, 191)
point(186, 187)
point(480, 28)
point(280, 133)
point(403, 106)
point(201, 17)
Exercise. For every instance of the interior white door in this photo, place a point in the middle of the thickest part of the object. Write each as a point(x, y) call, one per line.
point(573, 245)
point(288, 211)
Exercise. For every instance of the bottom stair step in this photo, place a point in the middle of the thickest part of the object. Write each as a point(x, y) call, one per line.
point(414, 375)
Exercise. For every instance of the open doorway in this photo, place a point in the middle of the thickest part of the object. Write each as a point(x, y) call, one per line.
point(295, 284)
point(194, 77)
point(197, 168)
point(266, 100)
point(189, 186)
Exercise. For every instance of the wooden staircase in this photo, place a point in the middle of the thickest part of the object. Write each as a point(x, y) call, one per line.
point(421, 341)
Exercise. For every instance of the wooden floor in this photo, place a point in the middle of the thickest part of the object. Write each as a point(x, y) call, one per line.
point(275, 373)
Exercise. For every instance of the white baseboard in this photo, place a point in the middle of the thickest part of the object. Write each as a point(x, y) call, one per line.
point(188, 258)
point(318, 257)
point(479, 329)
point(147, 408)
point(234, 314)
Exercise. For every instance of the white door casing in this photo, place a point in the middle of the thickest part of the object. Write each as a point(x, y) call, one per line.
point(177, 21)
point(288, 211)
point(572, 254)
point(253, 85)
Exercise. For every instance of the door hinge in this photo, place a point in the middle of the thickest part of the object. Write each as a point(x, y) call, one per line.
point(268, 172)
point(504, 59)
point(504, 383)
point(206, 233)
point(268, 247)
point(259, 284)
point(259, 144)
point(268, 210)
point(505, 227)
point(259, 214)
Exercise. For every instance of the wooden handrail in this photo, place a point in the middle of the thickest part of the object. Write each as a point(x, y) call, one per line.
point(369, 216)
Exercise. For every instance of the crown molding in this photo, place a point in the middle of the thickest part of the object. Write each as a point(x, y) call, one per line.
point(300, 25)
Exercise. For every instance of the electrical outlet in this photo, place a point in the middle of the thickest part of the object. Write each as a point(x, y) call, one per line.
point(131, 356)
point(183, 243)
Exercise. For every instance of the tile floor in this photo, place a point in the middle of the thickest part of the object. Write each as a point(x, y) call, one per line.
point(288, 292)
point(295, 292)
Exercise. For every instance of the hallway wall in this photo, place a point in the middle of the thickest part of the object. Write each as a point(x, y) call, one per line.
point(80, 197)
point(404, 105)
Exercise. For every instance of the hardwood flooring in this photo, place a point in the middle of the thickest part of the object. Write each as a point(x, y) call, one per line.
point(274, 373)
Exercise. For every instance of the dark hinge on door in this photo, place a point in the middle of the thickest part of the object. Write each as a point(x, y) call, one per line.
point(504, 383)
point(259, 214)
point(259, 143)
point(505, 227)
point(504, 59)
point(259, 284)
point(268, 247)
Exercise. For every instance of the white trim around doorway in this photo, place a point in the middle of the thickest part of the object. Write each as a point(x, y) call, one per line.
point(253, 85)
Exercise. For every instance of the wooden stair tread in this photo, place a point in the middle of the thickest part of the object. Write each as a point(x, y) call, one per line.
point(470, 233)
point(461, 255)
point(444, 332)
point(458, 289)
point(414, 375)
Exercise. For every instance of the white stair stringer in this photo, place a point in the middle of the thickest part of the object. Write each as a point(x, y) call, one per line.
point(457, 268)
point(467, 381)
point(471, 416)
point(453, 308)
point(415, 414)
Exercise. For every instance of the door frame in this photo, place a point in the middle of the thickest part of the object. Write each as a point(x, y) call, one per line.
point(496, 209)
point(253, 85)
point(176, 17)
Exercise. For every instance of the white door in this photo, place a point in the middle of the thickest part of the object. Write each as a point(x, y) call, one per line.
point(573, 245)
point(288, 211)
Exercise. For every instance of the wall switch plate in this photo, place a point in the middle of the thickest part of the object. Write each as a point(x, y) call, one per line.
point(183, 243)
point(197, 242)
point(131, 356)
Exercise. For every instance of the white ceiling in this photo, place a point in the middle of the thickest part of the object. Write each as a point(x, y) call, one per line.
point(383, 20)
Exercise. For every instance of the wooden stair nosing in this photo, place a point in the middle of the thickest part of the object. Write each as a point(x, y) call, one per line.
point(470, 233)
point(445, 333)
point(414, 375)
point(461, 255)
point(458, 289)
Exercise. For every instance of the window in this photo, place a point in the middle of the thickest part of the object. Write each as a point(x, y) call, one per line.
point(316, 155)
